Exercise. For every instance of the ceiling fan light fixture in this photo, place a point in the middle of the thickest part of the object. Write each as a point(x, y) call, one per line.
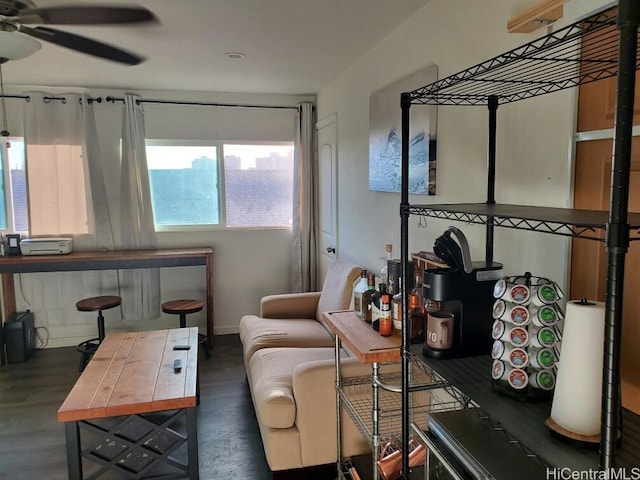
point(15, 45)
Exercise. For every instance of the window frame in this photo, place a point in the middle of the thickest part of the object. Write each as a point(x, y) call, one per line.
point(222, 202)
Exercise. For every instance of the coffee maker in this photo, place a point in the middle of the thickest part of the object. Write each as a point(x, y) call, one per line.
point(459, 300)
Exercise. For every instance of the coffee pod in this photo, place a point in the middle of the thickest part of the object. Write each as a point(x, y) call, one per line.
point(519, 294)
point(509, 312)
point(543, 379)
point(543, 358)
point(497, 330)
point(544, 316)
point(498, 370)
point(497, 350)
point(544, 294)
point(544, 337)
point(518, 315)
point(518, 379)
point(499, 309)
point(515, 293)
point(517, 357)
point(514, 356)
point(500, 288)
point(516, 336)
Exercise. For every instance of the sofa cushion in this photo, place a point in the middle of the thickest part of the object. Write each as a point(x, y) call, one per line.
point(257, 333)
point(271, 377)
point(337, 288)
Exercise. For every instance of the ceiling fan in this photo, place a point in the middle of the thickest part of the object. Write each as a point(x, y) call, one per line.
point(15, 15)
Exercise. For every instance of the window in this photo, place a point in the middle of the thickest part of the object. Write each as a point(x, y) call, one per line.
point(258, 185)
point(252, 186)
point(55, 201)
point(193, 184)
point(184, 183)
point(14, 216)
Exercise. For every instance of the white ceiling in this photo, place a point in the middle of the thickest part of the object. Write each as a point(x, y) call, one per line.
point(290, 46)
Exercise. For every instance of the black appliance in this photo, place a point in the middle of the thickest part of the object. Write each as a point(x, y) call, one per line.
point(13, 244)
point(19, 337)
point(464, 291)
point(473, 447)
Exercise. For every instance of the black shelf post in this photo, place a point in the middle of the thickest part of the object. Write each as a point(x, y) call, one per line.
point(405, 104)
point(491, 173)
point(617, 239)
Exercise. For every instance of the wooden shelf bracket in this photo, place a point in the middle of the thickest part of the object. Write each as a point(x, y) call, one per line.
point(541, 14)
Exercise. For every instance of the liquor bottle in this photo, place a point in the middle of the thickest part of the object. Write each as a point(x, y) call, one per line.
point(386, 323)
point(365, 303)
point(417, 289)
point(376, 306)
point(358, 290)
point(384, 271)
point(396, 307)
point(417, 320)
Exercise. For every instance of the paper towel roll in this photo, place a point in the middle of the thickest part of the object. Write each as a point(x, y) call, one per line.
point(576, 400)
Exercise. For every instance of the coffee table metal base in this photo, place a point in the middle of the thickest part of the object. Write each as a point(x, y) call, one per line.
point(135, 446)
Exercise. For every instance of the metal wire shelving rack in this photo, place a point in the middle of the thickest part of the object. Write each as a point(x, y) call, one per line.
point(602, 46)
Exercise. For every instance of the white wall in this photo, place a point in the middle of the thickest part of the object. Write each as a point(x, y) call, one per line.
point(534, 141)
point(248, 263)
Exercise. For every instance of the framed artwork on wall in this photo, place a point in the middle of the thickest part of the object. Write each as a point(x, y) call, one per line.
point(385, 137)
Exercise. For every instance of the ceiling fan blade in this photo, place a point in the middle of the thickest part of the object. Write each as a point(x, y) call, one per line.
point(86, 15)
point(83, 44)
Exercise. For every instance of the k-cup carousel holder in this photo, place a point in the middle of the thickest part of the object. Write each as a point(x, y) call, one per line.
point(526, 336)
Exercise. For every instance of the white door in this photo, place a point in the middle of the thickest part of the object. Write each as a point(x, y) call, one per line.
point(327, 130)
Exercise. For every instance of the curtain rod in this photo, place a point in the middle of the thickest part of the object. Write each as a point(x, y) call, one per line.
point(171, 102)
point(205, 104)
point(49, 99)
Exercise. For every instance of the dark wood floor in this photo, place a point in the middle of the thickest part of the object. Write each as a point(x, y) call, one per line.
point(32, 443)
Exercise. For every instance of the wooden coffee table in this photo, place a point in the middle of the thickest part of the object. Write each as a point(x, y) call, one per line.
point(136, 414)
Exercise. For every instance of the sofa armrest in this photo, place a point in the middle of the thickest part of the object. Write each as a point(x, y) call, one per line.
point(315, 396)
point(290, 305)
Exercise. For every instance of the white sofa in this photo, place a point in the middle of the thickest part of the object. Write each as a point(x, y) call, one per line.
point(289, 359)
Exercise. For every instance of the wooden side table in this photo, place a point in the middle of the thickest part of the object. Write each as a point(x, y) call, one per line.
point(428, 390)
point(370, 348)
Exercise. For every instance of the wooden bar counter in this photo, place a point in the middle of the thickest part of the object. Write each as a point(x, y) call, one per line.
point(109, 260)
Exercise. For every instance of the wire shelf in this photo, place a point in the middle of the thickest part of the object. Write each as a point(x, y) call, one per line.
point(587, 224)
point(580, 53)
point(432, 393)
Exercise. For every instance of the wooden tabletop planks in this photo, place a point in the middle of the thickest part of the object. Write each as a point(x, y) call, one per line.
point(358, 336)
point(170, 386)
point(133, 373)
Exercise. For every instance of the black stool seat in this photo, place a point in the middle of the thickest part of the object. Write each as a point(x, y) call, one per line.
point(92, 304)
point(183, 308)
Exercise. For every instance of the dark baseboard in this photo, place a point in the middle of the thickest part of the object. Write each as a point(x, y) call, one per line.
point(317, 472)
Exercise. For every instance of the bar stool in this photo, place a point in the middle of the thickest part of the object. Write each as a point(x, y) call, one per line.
point(183, 308)
point(92, 304)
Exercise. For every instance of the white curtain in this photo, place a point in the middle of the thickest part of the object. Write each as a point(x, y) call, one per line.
point(140, 289)
point(304, 249)
point(66, 196)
